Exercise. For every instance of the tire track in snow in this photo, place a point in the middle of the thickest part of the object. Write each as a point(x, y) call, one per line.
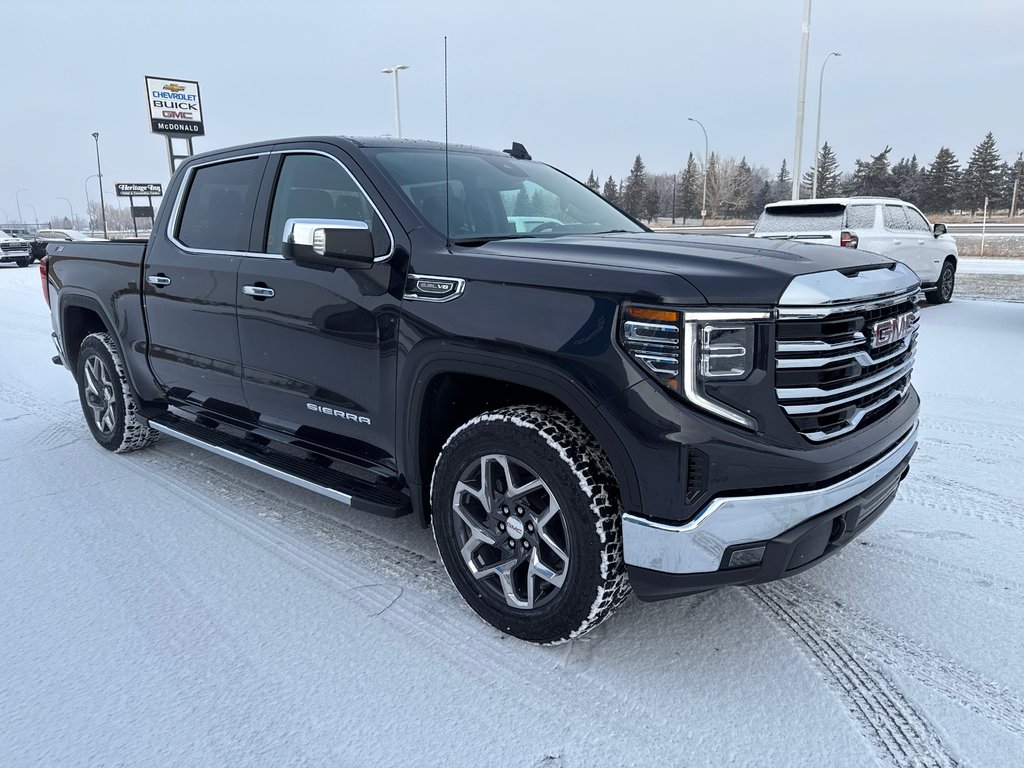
point(361, 566)
point(979, 428)
point(933, 491)
point(900, 735)
point(956, 682)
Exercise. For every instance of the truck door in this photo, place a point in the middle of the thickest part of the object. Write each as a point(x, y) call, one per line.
point(930, 252)
point(319, 345)
point(190, 283)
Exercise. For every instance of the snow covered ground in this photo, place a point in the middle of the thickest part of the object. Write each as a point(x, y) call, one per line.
point(171, 608)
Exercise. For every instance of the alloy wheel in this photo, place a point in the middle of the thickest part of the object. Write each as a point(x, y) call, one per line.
point(512, 537)
point(99, 394)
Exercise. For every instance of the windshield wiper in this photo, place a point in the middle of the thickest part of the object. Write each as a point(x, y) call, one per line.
point(484, 239)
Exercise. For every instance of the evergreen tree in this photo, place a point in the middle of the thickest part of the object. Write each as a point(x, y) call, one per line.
point(983, 177)
point(652, 203)
point(635, 193)
point(941, 183)
point(761, 198)
point(827, 170)
point(783, 183)
point(687, 196)
point(592, 182)
point(873, 177)
point(610, 191)
point(908, 180)
point(524, 206)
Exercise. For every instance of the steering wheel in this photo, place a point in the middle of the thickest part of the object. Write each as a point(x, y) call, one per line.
point(547, 226)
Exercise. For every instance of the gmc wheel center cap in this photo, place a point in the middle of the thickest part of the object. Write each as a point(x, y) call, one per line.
point(515, 528)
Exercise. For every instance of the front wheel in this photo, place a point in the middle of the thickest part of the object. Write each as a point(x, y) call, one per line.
point(23, 262)
point(527, 521)
point(108, 402)
point(943, 290)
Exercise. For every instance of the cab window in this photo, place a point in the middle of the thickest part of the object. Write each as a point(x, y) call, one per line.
point(319, 187)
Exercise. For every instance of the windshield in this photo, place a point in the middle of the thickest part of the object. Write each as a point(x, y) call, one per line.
point(3, 234)
point(493, 196)
point(800, 218)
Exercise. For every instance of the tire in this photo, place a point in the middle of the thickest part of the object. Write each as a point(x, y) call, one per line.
point(108, 402)
point(536, 550)
point(943, 290)
point(23, 262)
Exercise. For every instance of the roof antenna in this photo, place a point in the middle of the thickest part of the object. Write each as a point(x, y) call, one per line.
point(447, 188)
point(518, 151)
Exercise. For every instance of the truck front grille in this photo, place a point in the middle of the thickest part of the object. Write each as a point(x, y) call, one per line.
point(14, 247)
point(832, 376)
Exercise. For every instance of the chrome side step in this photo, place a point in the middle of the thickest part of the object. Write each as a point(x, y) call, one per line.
point(356, 493)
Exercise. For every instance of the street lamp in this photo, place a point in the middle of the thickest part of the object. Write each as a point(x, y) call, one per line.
point(6, 217)
point(17, 198)
point(704, 199)
point(398, 113)
point(35, 216)
point(801, 98)
point(71, 208)
point(99, 172)
point(817, 133)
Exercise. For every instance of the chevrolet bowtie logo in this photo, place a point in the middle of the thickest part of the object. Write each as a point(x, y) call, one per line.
point(173, 87)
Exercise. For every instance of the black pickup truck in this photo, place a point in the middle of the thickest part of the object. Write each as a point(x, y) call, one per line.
point(579, 407)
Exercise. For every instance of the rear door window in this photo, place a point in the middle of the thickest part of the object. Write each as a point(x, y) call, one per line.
point(218, 210)
point(860, 217)
point(800, 218)
point(895, 218)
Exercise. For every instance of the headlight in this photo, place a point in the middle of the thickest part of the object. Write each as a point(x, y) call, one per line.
point(686, 351)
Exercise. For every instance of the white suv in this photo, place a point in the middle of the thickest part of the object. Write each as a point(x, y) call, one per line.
point(883, 225)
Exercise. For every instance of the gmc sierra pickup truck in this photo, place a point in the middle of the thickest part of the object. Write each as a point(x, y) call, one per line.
point(578, 406)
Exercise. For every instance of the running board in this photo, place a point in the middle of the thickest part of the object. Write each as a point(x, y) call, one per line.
point(352, 491)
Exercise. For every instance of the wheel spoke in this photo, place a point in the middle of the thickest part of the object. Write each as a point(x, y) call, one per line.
point(90, 377)
point(503, 570)
point(541, 570)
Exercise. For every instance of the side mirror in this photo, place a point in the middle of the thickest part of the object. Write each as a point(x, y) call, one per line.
point(939, 229)
point(328, 242)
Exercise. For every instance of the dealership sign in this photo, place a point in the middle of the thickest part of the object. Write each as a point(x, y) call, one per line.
point(174, 108)
point(139, 190)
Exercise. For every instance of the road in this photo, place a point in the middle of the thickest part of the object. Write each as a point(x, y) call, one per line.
point(169, 608)
point(954, 229)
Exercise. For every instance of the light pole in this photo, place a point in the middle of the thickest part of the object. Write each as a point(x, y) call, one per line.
point(817, 132)
point(17, 198)
point(99, 172)
point(704, 199)
point(71, 208)
point(398, 112)
point(88, 202)
point(801, 98)
point(6, 217)
point(35, 216)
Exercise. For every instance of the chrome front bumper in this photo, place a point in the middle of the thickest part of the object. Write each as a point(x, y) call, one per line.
point(699, 545)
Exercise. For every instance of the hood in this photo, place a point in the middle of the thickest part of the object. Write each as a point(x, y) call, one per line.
point(726, 270)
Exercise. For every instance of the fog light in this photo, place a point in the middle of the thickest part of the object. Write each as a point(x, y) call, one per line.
point(741, 558)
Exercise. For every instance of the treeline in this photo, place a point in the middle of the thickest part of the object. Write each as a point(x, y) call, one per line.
point(737, 190)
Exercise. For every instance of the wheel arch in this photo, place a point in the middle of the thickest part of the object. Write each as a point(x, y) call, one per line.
point(471, 386)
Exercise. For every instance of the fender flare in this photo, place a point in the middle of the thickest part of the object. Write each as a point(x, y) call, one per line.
point(515, 369)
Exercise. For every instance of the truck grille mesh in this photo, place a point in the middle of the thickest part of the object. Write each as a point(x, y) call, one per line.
point(829, 379)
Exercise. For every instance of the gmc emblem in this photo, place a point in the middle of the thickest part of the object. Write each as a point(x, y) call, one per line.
point(886, 332)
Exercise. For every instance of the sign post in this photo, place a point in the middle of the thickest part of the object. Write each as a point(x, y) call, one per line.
point(175, 111)
point(131, 191)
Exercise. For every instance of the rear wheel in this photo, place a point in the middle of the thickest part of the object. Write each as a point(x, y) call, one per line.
point(528, 524)
point(23, 262)
point(943, 290)
point(108, 402)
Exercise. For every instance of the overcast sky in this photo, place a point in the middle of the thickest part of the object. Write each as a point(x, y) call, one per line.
point(582, 84)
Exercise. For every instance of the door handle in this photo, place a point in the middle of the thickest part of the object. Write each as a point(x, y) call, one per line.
point(258, 291)
point(158, 280)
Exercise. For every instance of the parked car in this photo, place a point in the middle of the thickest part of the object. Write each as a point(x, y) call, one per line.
point(14, 249)
point(578, 411)
point(884, 225)
point(45, 236)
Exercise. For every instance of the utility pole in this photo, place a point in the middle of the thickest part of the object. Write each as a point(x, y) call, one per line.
point(99, 172)
point(801, 98)
point(1019, 166)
